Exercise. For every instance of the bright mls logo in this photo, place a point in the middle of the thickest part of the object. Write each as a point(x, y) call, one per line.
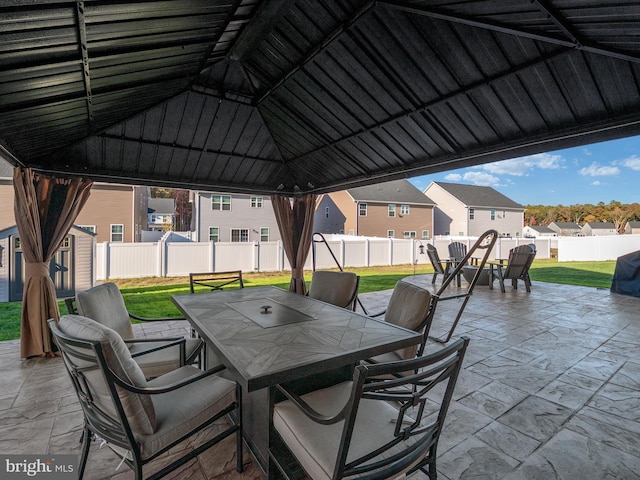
point(55, 467)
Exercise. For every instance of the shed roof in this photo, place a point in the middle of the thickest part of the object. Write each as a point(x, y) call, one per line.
point(161, 205)
point(566, 225)
point(600, 225)
point(479, 196)
point(315, 96)
point(542, 229)
point(396, 191)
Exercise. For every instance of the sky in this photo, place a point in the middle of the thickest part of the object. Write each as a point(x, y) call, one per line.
point(598, 172)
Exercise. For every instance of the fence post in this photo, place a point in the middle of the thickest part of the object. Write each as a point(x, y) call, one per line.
point(107, 260)
point(367, 252)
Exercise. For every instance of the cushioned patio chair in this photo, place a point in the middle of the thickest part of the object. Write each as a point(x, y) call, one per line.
point(140, 419)
point(353, 429)
point(336, 288)
point(156, 356)
point(436, 263)
point(517, 267)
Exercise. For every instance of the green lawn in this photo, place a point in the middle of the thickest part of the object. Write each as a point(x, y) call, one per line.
point(151, 297)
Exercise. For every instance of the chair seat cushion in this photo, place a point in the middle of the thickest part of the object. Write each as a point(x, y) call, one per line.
point(163, 361)
point(181, 411)
point(316, 446)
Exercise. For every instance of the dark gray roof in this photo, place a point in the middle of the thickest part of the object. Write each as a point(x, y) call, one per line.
point(566, 225)
point(289, 96)
point(541, 229)
point(600, 225)
point(163, 206)
point(396, 191)
point(634, 224)
point(477, 196)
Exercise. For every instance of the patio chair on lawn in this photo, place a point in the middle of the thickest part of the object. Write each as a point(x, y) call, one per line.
point(139, 419)
point(436, 263)
point(156, 356)
point(517, 267)
point(458, 254)
point(353, 429)
point(215, 280)
point(336, 288)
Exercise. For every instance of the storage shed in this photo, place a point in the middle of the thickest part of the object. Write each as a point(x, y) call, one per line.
point(71, 268)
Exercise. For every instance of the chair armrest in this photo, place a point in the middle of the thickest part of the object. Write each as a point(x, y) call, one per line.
point(167, 388)
point(168, 342)
point(146, 319)
point(309, 411)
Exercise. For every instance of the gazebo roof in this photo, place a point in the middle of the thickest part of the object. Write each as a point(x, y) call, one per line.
point(314, 96)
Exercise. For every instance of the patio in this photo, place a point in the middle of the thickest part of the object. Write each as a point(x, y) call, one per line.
point(549, 391)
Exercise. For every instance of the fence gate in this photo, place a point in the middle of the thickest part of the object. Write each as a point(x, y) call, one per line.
point(60, 269)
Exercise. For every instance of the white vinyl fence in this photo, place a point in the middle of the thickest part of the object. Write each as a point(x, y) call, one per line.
point(174, 259)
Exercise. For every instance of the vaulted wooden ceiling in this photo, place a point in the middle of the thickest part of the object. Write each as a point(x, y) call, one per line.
point(310, 95)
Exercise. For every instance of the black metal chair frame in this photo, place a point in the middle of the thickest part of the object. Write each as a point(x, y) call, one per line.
point(385, 382)
point(215, 280)
point(116, 429)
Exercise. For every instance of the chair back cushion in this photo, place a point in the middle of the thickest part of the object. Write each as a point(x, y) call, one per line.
point(104, 304)
point(408, 307)
point(138, 408)
point(336, 288)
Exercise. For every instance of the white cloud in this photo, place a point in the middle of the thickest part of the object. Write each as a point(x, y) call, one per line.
point(481, 179)
point(453, 177)
point(632, 162)
point(595, 170)
point(596, 183)
point(521, 166)
point(586, 151)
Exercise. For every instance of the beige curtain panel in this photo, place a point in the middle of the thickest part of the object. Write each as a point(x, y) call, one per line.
point(295, 222)
point(45, 209)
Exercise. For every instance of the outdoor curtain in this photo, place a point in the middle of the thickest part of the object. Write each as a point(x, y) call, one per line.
point(45, 209)
point(295, 222)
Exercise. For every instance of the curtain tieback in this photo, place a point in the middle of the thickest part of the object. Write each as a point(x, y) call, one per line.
point(32, 270)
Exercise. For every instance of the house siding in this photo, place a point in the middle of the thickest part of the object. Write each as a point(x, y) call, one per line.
point(341, 217)
point(241, 215)
point(4, 269)
point(377, 222)
point(7, 196)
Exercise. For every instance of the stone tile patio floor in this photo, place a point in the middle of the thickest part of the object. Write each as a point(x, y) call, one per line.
point(550, 390)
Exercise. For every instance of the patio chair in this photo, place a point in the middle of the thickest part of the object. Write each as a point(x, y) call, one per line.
point(215, 280)
point(336, 288)
point(353, 429)
point(156, 356)
point(436, 263)
point(139, 419)
point(517, 267)
point(457, 254)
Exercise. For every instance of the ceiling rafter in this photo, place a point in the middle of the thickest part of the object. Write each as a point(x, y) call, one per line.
point(520, 32)
point(86, 69)
point(333, 35)
point(465, 90)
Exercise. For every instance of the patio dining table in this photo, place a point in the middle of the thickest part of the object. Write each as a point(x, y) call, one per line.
point(267, 336)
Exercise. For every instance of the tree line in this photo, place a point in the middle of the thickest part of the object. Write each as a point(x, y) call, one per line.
point(615, 212)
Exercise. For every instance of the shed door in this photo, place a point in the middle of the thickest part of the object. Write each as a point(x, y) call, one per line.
point(60, 269)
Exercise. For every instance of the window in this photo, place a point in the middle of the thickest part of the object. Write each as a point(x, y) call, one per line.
point(409, 234)
point(221, 202)
point(89, 228)
point(214, 234)
point(391, 233)
point(404, 209)
point(264, 234)
point(326, 212)
point(256, 202)
point(472, 213)
point(239, 235)
point(352, 232)
point(117, 233)
point(363, 209)
point(504, 214)
point(392, 210)
point(493, 214)
point(425, 234)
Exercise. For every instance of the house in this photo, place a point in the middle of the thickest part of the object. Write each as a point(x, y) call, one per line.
point(393, 209)
point(161, 213)
point(470, 210)
point(114, 212)
point(533, 231)
point(566, 229)
point(224, 217)
point(598, 228)
point(632, 227)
